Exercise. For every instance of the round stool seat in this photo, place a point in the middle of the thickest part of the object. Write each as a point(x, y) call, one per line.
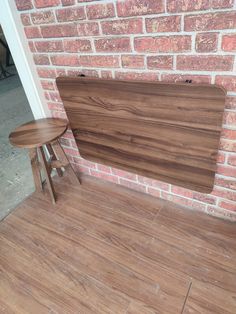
point(38, 132)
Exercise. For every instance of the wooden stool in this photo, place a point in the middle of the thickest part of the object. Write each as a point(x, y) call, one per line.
point(45, 133)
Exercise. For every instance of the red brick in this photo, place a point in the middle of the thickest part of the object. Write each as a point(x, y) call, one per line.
point(160, 62)
point(46, 3)
point(61, 72)
point(230, 102)
point(67, 2)
point(153, 192)
point(154, 183)
point(104, 176)
point(132, 61)
point(227, 171)
point(220, 157)
point(228, 82)
point(86, 163)
point(209, 199)
point(70, 14)
point(67, 60)
point(65, 30)
point(230, 195)
point(55, 106)
point(86, 72)
point(163, 24)
point(103, 168)
point(228, 205)
point(42, 17)
point(46, 73)
point(229, 134)
point(232, 160)
point(46, 95)
point(229, 42)
point(205, 63)
point(106, 74)
point(113, 45)
point(225, 182)
point(55, 96)
point(133, 185)
point(230, 118)
point(184, 77)
point(210, 21)
point(100, 11)
point(47, 85)
point(136, 76)
point(222, 4)
point(206, 42)
point(77, 45)
point(24, 4)
point(99, 61)
point(117, 27)
point(163, 44)
point(41, 59)
point(139, 7)
point(49, 46)
point(31, 46)
point(88, 29)
point(124, 174)
point(182, 191)
point(32, 32)
point(187, 5)
point(25, 19)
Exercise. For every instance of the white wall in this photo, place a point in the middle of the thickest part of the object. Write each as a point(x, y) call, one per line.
point(14, 34)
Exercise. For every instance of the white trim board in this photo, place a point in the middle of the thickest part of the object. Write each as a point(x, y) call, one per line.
point(14, 34)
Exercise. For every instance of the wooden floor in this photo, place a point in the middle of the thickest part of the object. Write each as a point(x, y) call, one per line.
point(105, 249)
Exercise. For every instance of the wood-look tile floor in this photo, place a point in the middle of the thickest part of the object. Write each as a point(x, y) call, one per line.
point(105, 249)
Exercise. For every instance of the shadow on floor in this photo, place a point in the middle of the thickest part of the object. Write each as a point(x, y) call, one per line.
point(16, 181)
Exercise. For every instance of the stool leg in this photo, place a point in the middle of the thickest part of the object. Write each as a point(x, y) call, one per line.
point(51, 152)
point(47, 174)
point(35, 169)
point(65, 162)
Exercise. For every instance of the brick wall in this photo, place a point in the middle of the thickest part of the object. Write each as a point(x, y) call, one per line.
point(167, 40)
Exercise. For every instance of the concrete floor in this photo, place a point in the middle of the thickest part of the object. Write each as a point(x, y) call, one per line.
point(16, 181)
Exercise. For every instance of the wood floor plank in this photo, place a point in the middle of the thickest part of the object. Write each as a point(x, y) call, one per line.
point(101, 249)
point(209, 299)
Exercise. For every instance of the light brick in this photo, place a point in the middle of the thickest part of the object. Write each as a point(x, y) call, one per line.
point(132, 185)
point(163, 24)
point(226, 182)
point(49, 46)
point(70, 14)
point(86, 72)
point(47, 85)
point(42, 17)
point(99, 61)
point(31, 46)
point(163, 44)
point(232, 160)
point(113, 45)
point(227, 145)
point(32, 32)
point(24, 5)
point(184, 77)
point(230, 118)
point(227, 171)
point(187, 5)
point(160, 62)
point(229, 42)
point(77, 45)
point(222, 4)
point(25, 19)
point(124, 174)
point(127, 26)
point(106, 74)
point(210, 21)
point(227, 194)
point(66, 60)
point(100, 11)
point(145, 76)
point(205, 63)
point(229, 134)
point(104, 176)
point(230, 102)
point(88, 29)
point(206, 42)
point(153, 192)
point(139, 7)
point(181, 191)
point(65, 30)
point(154, 183)
point(132, 61)
point(41, 59)
point(209, 199)
point(67, 2)
point(228, 82)
point(46, 3)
